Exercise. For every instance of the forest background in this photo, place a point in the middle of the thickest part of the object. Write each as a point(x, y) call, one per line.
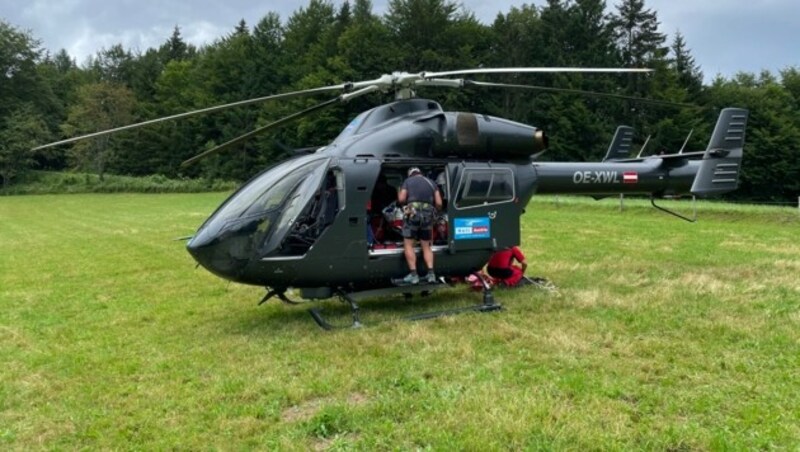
point(45, 97)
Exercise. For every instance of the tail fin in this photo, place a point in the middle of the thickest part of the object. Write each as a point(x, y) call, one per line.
point(620, 147)
point(721, 164)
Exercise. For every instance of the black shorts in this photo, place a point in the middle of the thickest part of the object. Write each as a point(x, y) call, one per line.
point(418, 223)
point(499, 273)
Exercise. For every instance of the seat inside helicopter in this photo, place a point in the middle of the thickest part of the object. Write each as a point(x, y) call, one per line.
point(318, 214)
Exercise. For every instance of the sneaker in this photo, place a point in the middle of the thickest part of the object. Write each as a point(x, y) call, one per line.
point(430, 278)
point(411, 278)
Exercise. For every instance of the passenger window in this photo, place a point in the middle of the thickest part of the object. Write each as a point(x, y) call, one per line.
point(482, 187)
point(477, 186)
point(502, 188)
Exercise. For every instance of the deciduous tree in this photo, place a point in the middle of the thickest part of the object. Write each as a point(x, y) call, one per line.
point(20, 131)
point(101, 106)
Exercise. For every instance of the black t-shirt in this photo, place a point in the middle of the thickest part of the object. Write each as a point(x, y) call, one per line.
point(420, 189)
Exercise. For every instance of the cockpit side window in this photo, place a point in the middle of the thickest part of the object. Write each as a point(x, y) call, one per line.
point(302, 223)
point(267, 191)
point(255, 207)
point(277, 194)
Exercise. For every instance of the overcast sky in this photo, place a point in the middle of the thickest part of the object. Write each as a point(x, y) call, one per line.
point(725, 36)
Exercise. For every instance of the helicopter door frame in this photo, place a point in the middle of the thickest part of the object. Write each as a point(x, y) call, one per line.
point(483, 206)
point(314, 212)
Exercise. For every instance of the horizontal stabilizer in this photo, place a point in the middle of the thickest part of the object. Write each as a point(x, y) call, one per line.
point(621, 144)
point(720, 168)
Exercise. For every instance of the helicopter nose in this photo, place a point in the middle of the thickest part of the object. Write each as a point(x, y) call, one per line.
point(214, 254)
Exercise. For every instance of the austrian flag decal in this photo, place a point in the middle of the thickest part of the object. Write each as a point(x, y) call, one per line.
point(630, 177)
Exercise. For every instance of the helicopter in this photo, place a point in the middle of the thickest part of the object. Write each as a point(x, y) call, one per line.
point(312, 223)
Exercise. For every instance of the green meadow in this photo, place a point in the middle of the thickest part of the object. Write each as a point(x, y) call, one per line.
point(663, 335)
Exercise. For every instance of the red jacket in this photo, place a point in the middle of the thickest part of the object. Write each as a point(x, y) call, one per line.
point(504, 258)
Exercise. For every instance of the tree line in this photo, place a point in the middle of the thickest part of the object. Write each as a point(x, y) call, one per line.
point(47, 96)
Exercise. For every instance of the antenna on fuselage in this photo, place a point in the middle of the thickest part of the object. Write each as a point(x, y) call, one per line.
point(644, 146)
point(686, 141)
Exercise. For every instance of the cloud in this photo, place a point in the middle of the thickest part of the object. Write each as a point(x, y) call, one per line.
point(724, 35)
point(728, 36)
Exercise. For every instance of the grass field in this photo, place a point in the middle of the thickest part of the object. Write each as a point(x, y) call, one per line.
point(664, 335)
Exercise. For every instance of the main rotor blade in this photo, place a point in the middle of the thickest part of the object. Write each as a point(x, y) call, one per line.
point(535, 70)
point(289, 95)
point(643, 100)
point(242, 138)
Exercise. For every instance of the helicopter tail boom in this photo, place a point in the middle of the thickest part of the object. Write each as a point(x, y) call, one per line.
point(711, 172)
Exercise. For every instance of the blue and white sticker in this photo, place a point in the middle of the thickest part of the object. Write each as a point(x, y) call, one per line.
point(472, 228)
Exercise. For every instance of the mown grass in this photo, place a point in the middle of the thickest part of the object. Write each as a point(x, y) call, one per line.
point(663, 335)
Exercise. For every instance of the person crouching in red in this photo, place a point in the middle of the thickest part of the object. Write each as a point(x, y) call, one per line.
point(501, 266)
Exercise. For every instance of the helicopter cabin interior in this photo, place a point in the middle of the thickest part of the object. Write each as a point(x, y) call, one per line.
point(466, 192)
point(385, 218)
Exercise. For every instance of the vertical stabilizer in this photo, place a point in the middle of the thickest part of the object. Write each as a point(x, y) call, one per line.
point(621, 144)
point(722, 161)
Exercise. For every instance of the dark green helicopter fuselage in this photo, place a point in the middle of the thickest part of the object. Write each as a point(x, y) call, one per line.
point(308, 222)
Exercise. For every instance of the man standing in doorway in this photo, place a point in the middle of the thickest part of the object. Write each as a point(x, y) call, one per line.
point(420, 199)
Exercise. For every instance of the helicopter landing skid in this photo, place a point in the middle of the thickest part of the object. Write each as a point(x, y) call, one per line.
point(276, 293)
point(316, 314)
point(488, 304)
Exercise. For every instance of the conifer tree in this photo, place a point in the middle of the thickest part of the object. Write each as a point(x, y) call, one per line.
point(419, 29)
point(176, 48)
point(689, 76)
point(640, 43)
